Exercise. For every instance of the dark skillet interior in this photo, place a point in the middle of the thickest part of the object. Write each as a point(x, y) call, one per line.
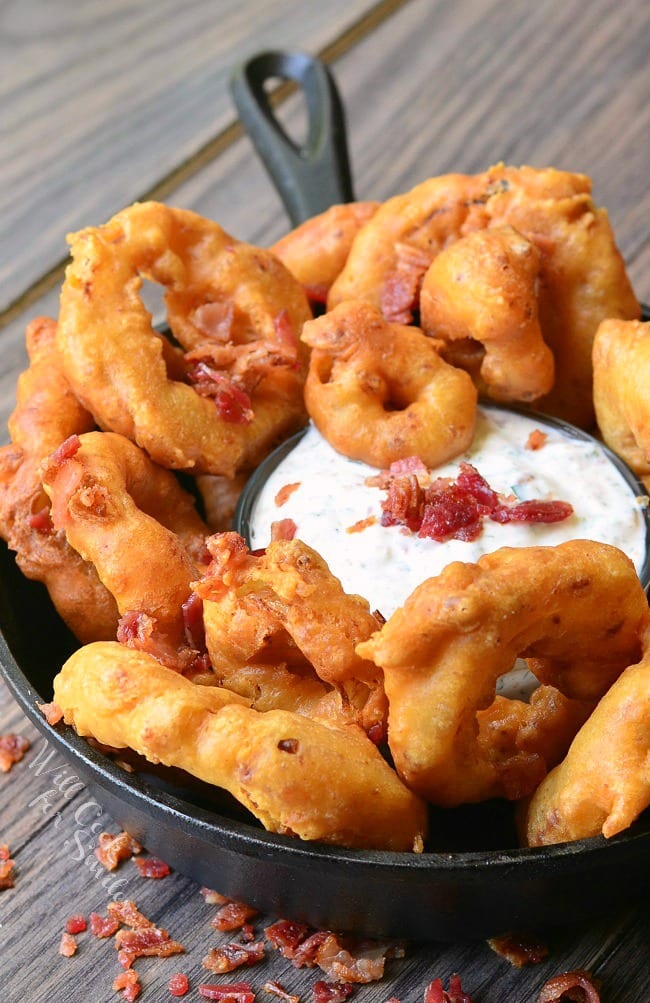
point(471, 881)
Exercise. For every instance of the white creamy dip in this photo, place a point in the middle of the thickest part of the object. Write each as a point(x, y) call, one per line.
point(385, 563)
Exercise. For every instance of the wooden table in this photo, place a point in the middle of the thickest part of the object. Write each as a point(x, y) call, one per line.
point(106, 103)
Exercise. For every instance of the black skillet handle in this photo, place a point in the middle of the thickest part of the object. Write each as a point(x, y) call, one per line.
point(312, 177)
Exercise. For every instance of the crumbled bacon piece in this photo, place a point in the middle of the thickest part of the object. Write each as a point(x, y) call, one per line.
point(140, 631)
point(113, 849)
point(434, 993)
point(284, 332)
point(536, 439)
point(67, 449)
point(519, 949)
point(306, 954)
point(75, 924)
point(6, 868)
point(247, 933)
point(215, 319)
point(193, 625)
point(126, 912)
point(128, 983)
point(277, 989)
point(41, 521)
point(401, 292)
point(152, 867)
point(533, 511)
point(51, 712)
point(214, 898)
point(231, 956)
point(283, 529)
point(103, 926)
point(147, 941)
point(238, 992)
point(232, 915)
point(232, 402)
point(346, 960)
point(361, 524)
point(285, 493)
point(179, 984)
point(286, 937)
point(404, 503)
point(12, 749)
point(578, 986)
point(68, 945)
point(331, 992)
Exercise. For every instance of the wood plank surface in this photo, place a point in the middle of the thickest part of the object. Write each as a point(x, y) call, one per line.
point(99, 113)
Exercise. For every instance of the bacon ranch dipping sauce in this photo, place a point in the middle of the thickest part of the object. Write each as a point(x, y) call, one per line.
point(381, 538)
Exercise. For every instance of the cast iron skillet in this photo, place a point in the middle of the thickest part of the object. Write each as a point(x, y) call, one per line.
point(471, 882)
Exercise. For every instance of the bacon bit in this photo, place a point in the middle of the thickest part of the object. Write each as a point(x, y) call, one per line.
point(285, 493)
point(129, 985)
point(519, 949)
point(12, 749)
point(284, 332)
point(283, 529)
point(228, 957)
point(402, 289)
point(148, 941)
point(232, 915)
point(101, 926)
point(152, 867)
point(214, 898)
point(113, 849)
point(75, 924)
point(67, 449)
point(351, 961)
point(277, 989)
point(140, 632)
point(232, 403)
point(331, 992)
point(404, 504)
point(193, 626)
point(247, 933)
point(179, 984)
point(127, 913)
point(6, 868)
point(536, 439)
point(41, 521)
point(533, 511)
point(362, 524)
point(408, 465)
point(68, 945)
point(238, 992)
point(306, 955)
point(434, 993)
point(215, 320)
point(579, 986)
point(286, 937)
point(51, 712)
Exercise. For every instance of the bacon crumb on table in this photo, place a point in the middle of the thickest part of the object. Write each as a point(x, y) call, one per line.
point(112, 849)
point(68, 945)
point(332, 992)
point(231, 956)
point(128, 983)
point(75, 924)
point(179, 984)
point(434, 993)
point(51, 712)
point(6, 868)
point(148, 941)
point(519, 949)
point(12, 749)
point(152, 867)
point(232, 915)
point(277, 989)
point(578, 985)
point(101, 926)
point(239, 992)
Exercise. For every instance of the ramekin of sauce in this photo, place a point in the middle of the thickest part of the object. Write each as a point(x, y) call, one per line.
point(337, 509)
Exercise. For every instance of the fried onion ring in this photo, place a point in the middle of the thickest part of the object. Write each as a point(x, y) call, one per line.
point(603, 784)
point(132, 521)
point(621, 378)
point(380, 392)
point(575, 611)
point(46, 413)
point(295, 775)
point(220, 291)
point(484, 287)
point(582, 276)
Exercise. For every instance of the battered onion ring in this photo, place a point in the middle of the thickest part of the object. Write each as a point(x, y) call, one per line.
point(219, 290)
point(132, 521)
point(316, 251)
point(484, 287)
point(281, 631)
point(295, 775)
point(621, 379)
point(379, 392)
point(603, 784)
point(576, 611)
point(46, 413)
point(582, 279)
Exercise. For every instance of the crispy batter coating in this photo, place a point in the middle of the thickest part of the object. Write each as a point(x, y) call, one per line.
point(621, 396)
point(220, 292)
point(603, 784)
point(132, 521)
point(316, 251)
point(484, 287)
point(380, 392)
point(281, 630)
point(575, 611)
point(582, 275)
point(295, 775)
point(46, 413)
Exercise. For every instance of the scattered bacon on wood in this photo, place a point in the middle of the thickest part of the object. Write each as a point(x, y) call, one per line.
point(127, 913)
point(231, 956)
point(350, 961)
point(113, 849)
point(536, 439)
point(286, 937)
point(128, 983)
point(238, 992)
point(179, 984)
point(285, 493)
point(434, 993)
point(283, 529)
point(148, 941)
point(519, 949)
point(6, 868)
point(277, 989)
point(306, 954)
point(331, 992)
point(247, 933)
point(232, 915)
point(578, 986)
point(101, 926)
point(152, 867)
point(68, 945)
point(12, 749)
point(214, 898)
point(75, 924)
point(51, 712)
